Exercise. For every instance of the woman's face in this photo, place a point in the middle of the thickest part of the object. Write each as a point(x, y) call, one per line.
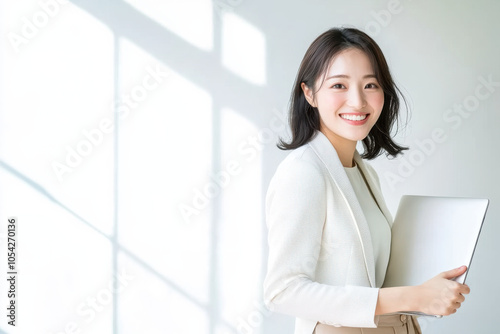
point(350, 99)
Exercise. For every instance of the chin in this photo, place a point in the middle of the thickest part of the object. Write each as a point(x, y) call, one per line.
point(357, 137)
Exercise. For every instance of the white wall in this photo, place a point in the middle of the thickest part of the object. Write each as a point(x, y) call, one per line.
point(173, 110)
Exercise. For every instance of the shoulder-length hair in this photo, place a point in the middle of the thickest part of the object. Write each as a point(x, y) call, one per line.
point(304, 119)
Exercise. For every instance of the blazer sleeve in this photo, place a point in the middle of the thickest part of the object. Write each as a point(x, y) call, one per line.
point(295, 216)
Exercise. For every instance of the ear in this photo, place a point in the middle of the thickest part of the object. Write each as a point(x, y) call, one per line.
point(308, 94)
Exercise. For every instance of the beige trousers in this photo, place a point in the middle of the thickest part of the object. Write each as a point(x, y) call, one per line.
point(387, 324)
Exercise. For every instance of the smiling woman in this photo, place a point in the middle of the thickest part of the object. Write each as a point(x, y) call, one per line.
point(317, 74)
point(349, 105)
point(329, 229)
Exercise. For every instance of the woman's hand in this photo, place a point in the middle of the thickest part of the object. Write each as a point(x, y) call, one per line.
point(440, 295)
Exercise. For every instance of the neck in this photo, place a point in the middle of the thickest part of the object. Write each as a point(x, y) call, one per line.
point(346, 154)
point(345, 148)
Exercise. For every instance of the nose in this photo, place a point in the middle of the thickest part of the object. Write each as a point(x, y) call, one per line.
point(356, 99)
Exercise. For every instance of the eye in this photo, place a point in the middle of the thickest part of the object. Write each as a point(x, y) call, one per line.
point(338, 86)
point(371, 86)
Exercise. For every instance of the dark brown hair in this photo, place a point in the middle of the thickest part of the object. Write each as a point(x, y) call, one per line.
point(304, 119)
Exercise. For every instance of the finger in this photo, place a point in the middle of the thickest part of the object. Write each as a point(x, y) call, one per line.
point(458, 289)
point(464, 289)
point(453, 272)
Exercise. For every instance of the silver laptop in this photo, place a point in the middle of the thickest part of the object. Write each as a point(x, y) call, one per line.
point(431, 235)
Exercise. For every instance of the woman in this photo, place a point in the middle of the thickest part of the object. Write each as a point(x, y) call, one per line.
point(329, 230)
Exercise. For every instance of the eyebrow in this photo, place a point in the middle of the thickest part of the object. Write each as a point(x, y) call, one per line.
point(347, 77)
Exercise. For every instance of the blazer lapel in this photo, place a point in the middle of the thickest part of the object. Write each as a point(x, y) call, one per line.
point(326, 152)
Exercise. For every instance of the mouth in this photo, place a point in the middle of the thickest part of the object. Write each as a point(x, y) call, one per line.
point(355, 118)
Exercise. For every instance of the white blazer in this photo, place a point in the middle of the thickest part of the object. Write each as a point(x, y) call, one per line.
point(321, 266)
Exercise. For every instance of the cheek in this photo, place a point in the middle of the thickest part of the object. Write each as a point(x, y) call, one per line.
point(378, 102)
point(331, 102)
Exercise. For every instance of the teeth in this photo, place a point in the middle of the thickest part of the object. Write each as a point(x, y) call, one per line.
point(353, 117)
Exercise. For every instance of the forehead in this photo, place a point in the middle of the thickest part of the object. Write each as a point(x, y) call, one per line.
point(351, 61)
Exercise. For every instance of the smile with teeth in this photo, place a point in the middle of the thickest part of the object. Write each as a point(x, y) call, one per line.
point(354, 117)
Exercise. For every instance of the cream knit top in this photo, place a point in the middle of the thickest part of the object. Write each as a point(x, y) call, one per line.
point(379, 227)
